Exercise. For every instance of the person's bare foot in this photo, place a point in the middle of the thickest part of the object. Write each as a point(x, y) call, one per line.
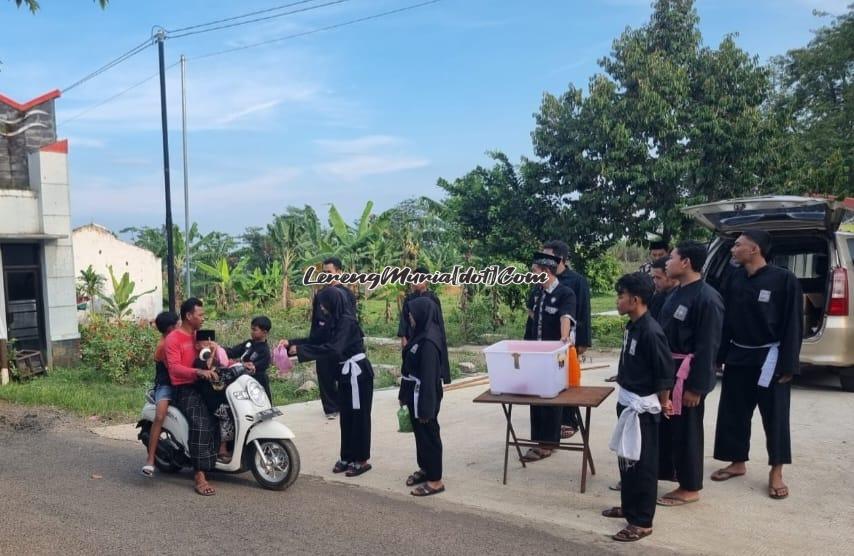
point(777, 489)
point(679, 497)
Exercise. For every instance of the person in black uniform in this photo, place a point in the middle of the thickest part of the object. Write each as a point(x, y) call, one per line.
point(760, 348)
point(553, 308)
point(645, 376)
point(343, 342)
point(692, 318)
point(255, 352)
point(663, 286)
point(571, 416)
point(421, 391)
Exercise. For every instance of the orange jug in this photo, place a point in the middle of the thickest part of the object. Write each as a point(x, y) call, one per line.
point(573, 367)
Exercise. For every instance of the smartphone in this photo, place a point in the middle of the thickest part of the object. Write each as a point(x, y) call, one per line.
point(205, 336)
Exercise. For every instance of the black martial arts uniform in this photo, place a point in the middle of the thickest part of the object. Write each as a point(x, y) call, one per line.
point(571, 416)
point(343, 340)
point(761, 310)
point(421, 387)
point(645, 368)
point(327, 368)
point(692, 319)
point(549, 307)
point(657, 302)
point(257, 353)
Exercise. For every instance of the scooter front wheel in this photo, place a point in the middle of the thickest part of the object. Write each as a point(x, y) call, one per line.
point(282, 467)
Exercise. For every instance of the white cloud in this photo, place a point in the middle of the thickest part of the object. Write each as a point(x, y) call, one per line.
point(85, 143)
point(359, 144)
point(835, 7)
point(352, 168)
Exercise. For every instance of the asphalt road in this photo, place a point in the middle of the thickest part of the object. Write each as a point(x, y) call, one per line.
point(65, 490)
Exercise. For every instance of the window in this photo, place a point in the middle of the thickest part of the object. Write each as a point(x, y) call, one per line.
point(803, 265)
point(20, 254)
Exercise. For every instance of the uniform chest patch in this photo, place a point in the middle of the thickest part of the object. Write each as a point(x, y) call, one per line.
point(680, 313)
point(554, 300)
point(764, 296)
point(551, 310)
point(414, 348)
point(633, 346)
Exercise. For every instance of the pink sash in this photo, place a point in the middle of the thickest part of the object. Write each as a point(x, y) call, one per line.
point(681, 375)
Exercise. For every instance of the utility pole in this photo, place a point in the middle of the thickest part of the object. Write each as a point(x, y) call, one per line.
point(170, 250)
point(187, 291)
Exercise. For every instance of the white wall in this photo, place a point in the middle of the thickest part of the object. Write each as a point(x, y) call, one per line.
point(97, 246)
point(19, 212)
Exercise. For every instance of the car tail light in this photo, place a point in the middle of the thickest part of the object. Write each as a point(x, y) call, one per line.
point(839, 294)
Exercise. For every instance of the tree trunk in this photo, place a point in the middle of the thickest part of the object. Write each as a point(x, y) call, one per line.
point(286, 300)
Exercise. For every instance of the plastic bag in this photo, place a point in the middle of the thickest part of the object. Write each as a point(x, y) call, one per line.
point(282, 361)
point(404, 423)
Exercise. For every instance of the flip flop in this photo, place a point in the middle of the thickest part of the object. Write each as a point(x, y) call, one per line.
point(534, 454)
point(567, 432)
point(672, 501)
point(340, 466)
point(778, 493)
point(356, 469)
point(616, 512)
point(427, 490)
point(416, 478)
point(224, 459)
point(611, 379)
point(147, 471)
point(617, 487)
point(724, 475)
point(631, 534)
point(204, 489)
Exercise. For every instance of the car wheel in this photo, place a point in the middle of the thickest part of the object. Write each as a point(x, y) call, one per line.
point(846, 379)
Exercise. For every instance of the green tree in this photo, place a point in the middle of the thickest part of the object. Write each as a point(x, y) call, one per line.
point(669, 122)
point(225, 279)
point(118, 304)
point(814, 108)
point(34, 6)
point(91, 285)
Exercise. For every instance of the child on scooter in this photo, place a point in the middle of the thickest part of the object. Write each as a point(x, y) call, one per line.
point(165, 322)
point(254, 353)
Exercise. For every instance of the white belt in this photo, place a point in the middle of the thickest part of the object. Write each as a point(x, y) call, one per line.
point(417, 382)
point(770, 363)
point(351, 367)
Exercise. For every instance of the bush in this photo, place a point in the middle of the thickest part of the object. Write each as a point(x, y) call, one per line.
point(602, 273)
point(607, 331)
point(119, 350)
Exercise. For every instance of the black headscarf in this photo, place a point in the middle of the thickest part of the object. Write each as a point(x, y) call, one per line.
point(338, 309)
point(430, 327)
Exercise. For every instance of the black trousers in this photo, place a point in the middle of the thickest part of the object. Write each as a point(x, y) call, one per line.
point(681, 447)
point(356, 423)
point(639, 483)
point(571, 417)
point(740, 394)
point(327, 383)
point(428, 445)
point(545, 424)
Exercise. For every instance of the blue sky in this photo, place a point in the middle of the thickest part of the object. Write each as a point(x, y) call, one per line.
point(375, 111)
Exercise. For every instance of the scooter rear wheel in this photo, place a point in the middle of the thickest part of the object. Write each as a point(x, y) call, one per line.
point(284, 464)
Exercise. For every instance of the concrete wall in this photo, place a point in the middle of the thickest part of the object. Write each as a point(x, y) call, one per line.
point(19, 212)
point(49, 180)
point(97, 246)
point(23, 129)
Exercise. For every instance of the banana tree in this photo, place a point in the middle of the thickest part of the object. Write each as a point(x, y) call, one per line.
point(118, 305)
point(225, 279)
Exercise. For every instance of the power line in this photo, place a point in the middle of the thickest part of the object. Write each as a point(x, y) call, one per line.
point(111, 64)
point(249, 14)
point(256, 20)
point(114, 97)
point(318, 30)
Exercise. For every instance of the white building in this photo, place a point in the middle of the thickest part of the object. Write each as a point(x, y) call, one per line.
point(37, 298)
point(97, 246)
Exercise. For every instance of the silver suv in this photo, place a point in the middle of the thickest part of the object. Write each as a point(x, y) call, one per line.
point(807, 241)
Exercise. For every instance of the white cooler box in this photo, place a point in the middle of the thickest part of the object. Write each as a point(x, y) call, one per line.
point(525, 367)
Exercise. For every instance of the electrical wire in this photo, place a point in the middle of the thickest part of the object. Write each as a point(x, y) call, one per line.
point(111, 64)
point(249, 14)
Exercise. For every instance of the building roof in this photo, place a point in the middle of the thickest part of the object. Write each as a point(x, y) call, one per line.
point(104, 230)
point(32, 103)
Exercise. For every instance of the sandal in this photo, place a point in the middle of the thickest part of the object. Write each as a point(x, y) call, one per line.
point(778, 493)
point(724, 475)
point(340, 466)
point(147, 471)
point(205, 489)
point(672, 501)
point(611, 379)
point(616, 511)
point(535, 454)
point(567, 432)
point(416, 478)
point(427, 490)
point(632, 534)
point(224, 459)
point(357, 469)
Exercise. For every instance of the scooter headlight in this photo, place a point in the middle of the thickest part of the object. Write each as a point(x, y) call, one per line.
point(256, 394)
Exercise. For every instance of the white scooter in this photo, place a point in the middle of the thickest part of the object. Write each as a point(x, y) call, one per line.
point(263, 443)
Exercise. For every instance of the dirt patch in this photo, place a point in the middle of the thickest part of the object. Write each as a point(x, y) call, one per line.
point(32, 420)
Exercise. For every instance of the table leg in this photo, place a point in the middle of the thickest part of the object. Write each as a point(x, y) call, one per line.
point(506, 440)
point(585, 458)
point(512, 432)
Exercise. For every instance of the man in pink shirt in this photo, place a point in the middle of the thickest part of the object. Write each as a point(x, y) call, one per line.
point(180, 354)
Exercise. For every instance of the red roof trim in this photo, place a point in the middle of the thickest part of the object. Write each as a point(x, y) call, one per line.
point(35, 102)
point(58, 147)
